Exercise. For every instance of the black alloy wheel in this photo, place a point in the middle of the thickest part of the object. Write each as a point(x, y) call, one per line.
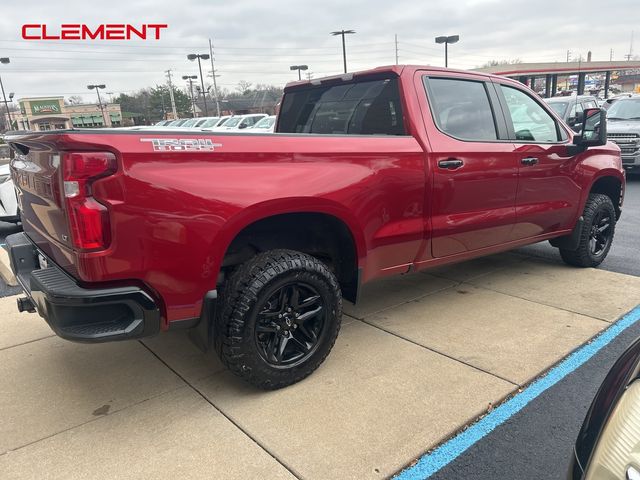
point(290, 325)
point(600, 235)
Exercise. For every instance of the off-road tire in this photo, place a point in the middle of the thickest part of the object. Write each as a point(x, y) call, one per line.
point(584, 256)
point(237, 316)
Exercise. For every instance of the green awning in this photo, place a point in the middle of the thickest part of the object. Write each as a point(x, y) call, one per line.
point(87, 120)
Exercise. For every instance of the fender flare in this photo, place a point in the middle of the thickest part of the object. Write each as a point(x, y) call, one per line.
point(260, 211)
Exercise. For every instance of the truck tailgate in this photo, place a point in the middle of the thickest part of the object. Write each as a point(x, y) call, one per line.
point(37, 175)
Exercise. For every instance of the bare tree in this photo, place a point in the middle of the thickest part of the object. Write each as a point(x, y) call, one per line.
point(74, 100)
point(244, 87)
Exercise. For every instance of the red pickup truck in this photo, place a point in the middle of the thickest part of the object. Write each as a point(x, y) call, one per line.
point(252, 241)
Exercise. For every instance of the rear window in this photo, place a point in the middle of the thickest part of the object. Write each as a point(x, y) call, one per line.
point(558, 107)
point(361, 108)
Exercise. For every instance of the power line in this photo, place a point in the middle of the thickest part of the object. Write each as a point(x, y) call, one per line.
point(184, 46)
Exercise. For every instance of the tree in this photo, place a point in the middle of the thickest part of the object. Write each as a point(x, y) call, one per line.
point(74, 100)
point(160, 102)
point(244, 87)
point(151, 105)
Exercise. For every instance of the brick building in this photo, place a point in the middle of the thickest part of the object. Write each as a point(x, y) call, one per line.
point(51, 113)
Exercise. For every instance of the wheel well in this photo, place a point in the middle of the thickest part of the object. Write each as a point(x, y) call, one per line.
point(323, 236)
point(611, 187)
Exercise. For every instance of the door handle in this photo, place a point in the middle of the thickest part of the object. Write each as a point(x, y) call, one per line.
point(450, 163)
point(529, 161)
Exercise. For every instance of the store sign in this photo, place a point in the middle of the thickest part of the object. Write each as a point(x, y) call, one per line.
point(81, 31)
point(45, 107)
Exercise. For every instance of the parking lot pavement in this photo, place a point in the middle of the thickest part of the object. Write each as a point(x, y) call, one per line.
point(417, 360)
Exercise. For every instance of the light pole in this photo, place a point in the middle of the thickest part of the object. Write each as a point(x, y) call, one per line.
point(6, 105)
point(190, 79)
point(299, 68)
point(203, 56)
point(344, 48)
point(447, 40)
point(97, 89)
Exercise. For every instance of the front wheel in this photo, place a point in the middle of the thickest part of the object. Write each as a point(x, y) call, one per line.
point(596, 234)
point(279, 318)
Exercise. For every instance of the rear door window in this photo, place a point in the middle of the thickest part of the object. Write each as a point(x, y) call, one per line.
point(360, 108)
point(461, 108)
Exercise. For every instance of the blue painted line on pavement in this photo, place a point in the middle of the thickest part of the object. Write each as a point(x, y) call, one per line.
point(431, 462)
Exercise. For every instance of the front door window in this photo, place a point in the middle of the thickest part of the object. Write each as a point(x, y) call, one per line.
point(531, 122)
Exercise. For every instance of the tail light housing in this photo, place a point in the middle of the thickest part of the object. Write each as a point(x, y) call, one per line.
point(88, 219)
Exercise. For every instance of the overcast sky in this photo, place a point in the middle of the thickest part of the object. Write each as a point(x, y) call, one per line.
point(257, 41)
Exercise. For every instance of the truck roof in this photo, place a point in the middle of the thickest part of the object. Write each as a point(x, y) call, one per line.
point(392, 69)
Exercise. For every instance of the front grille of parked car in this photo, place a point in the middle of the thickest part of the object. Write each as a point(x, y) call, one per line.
point(623, 137)
point(628, 142)
point(628, 149)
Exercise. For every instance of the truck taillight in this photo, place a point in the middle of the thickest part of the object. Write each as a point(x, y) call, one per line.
point(88, 218)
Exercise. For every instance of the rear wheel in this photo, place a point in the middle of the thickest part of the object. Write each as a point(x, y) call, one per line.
point(596, 235)
point(279, 318)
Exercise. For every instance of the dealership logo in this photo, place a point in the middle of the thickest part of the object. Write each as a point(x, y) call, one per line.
point(80, 31)
point(182, 144)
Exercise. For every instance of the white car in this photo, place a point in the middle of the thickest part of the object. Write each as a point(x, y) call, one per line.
point(241, 122)
point(266, 125)
point(216, 122)
point(204, 122)
point(191, 123)
point(8, 199)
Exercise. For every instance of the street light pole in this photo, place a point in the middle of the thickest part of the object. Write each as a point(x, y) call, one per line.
point(6, 105)
point(447, 40)
point(203, 56)
point(97, 89)
point(299, 68)
point(344, 48)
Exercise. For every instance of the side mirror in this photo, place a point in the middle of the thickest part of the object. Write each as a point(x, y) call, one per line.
point(593, 131)
point(242, 125)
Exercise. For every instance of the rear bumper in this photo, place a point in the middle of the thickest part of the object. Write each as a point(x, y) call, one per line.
point(77, 313)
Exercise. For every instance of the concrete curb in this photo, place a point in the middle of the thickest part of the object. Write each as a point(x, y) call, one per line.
point(5, 269)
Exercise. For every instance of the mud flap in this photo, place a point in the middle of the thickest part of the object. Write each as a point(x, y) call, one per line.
point(202, 334)
point(571, 241)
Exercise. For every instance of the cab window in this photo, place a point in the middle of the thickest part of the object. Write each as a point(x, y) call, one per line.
point(531, 122)
point(461, 108)
point(363, 107)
